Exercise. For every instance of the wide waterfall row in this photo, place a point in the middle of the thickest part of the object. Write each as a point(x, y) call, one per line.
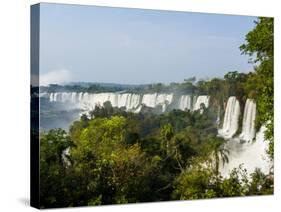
point(131, 101)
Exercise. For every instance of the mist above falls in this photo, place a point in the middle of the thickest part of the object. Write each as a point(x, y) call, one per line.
point(247, 147)
point(131, 101)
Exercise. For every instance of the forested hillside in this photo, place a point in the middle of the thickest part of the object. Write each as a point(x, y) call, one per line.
point(115, 156)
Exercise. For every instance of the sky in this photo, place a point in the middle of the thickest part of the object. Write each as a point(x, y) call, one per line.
point(136, 46)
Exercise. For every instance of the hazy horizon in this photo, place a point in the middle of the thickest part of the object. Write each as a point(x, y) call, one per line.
point(136, 46)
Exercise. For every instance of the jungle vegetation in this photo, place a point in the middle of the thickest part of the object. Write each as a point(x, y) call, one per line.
point(116, 157)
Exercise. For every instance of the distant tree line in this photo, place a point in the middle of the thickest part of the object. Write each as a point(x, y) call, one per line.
point(116, 157)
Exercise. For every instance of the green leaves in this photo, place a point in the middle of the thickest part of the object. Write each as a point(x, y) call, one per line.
point(195, 183)
point(201, 182)
point(260, 41)
point(176, 159)
point(53, 167)
point(259, 46)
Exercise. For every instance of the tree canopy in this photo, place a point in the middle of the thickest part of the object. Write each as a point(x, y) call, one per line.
point(259, 46)
point(112, 156)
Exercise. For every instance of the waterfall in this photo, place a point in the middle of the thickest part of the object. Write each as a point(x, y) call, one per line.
point(185, 102)
point(248, 127)
point(132, 102)
point(251, 154)
point(201, 100)
point(152, 100)
point(138, 109)
point(149, 99)
point(88, 101)
point(231, 116)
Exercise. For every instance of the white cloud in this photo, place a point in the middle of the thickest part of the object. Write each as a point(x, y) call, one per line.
point(55, 77)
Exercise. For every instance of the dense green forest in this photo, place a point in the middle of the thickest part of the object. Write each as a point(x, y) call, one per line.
point(116, 157)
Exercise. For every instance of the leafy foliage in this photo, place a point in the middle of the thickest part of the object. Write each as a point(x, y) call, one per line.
point(130, 158)
point(115, 157)
point(259, 46)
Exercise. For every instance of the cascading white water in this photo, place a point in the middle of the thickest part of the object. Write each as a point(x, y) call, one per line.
point(149, 99)
point(138, 109)
point(152, 100)
point(201, 100)
point(251, 154)
point(248, 127)
point(185, 102)
point(242, 149)
point(231, 118)
point(132, 102)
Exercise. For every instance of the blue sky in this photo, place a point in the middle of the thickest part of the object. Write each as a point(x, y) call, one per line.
point(133, 46)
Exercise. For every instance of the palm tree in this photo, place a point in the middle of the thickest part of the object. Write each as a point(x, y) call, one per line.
point(219, 153)
point(222, 154)
point(167, 133)
point(169, 144)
